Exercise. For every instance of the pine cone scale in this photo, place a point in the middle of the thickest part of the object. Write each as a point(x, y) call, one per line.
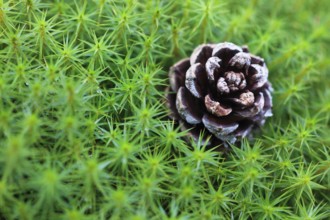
point(218, 127)
point(254, 110)
point(185, 103)
point(259, 76)
point(226, 51)
point(177, 74)
point(171, 104)
point(196, 80)
point(201, 54)
point(215, 108)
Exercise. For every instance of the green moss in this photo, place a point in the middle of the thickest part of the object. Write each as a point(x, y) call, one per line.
point(83, 126)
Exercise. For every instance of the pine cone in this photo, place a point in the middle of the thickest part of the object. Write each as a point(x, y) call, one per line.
point(222, 92)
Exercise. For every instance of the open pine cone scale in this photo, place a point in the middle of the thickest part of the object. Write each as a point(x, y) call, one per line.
point(221, 90)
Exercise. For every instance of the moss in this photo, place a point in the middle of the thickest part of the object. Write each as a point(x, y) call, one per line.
point(83, 126)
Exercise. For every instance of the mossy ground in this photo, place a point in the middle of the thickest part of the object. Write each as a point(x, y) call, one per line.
point(83, 126)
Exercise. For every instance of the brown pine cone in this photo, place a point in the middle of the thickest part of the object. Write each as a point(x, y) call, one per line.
point(222, 91)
